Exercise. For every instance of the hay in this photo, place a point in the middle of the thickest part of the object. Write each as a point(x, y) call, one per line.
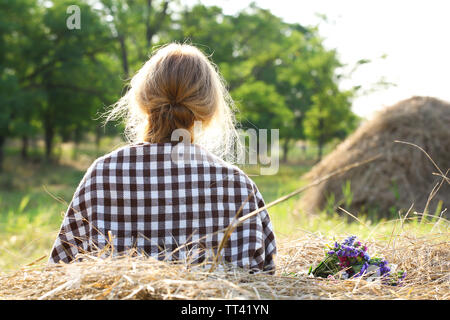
point(403, 175)
point(426, 259)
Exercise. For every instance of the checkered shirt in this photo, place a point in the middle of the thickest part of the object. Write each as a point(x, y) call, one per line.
point(170, 201)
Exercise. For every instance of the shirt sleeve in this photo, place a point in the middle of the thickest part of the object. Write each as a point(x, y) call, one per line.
point(252, 245)
point(74, 233)
point(265, 256)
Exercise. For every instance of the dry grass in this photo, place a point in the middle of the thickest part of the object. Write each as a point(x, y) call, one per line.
point(426, 260)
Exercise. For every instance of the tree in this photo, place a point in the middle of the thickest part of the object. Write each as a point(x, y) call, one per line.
point(74, 66)
point(256, 50)
point(15, 22)
point(330, 117)
point(262, 107)
point(55, 80)
point(134, 25)
point(8, 89)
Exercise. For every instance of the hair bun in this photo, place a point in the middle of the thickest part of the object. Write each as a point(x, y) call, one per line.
point(179, 115)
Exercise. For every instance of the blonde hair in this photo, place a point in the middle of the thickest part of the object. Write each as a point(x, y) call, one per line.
point(177, 86)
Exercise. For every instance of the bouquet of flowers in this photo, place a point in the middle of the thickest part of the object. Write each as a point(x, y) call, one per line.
point(352, 258)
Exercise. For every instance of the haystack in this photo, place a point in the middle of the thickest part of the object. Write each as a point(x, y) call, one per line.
point(402, 176)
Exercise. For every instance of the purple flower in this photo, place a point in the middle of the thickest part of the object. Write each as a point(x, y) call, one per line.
point(385, 270)
point(363, 269)
point(349, 241)
point(351, 255)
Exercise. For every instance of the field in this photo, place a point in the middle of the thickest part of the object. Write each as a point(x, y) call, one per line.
point(34, 197)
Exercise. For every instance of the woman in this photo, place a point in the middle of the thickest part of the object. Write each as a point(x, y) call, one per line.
point(168, 199)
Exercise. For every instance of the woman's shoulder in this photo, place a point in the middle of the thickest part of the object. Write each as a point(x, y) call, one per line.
point(144, 151)
point(126, 153)
point(218, 162)
point(119, 154)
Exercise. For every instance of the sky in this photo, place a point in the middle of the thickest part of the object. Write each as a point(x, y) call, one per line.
point(414, 36)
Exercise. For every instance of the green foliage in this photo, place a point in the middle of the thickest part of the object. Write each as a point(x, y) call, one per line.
point(272, 66)
point(327, 267)
point(261, 106)
point(55, 81)
point(347, 193)
point(330, 204)
point(329, 117)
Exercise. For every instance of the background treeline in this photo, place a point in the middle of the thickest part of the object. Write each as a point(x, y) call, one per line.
point(55, 81)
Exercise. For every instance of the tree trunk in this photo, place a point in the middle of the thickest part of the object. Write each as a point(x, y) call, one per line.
point(77, 137)
point(2, 144)
point(152, 28)
point(319, 151)
point(49, 134)
point(148, 28)
point(124, 53)
point(34, 146)
point(24, 151)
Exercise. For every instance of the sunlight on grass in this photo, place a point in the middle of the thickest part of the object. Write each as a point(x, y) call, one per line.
point(27, 235)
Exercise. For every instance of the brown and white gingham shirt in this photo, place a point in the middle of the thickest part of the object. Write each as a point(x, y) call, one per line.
point(158, 197)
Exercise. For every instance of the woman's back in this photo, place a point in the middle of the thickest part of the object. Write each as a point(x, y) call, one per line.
point(150, 197)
